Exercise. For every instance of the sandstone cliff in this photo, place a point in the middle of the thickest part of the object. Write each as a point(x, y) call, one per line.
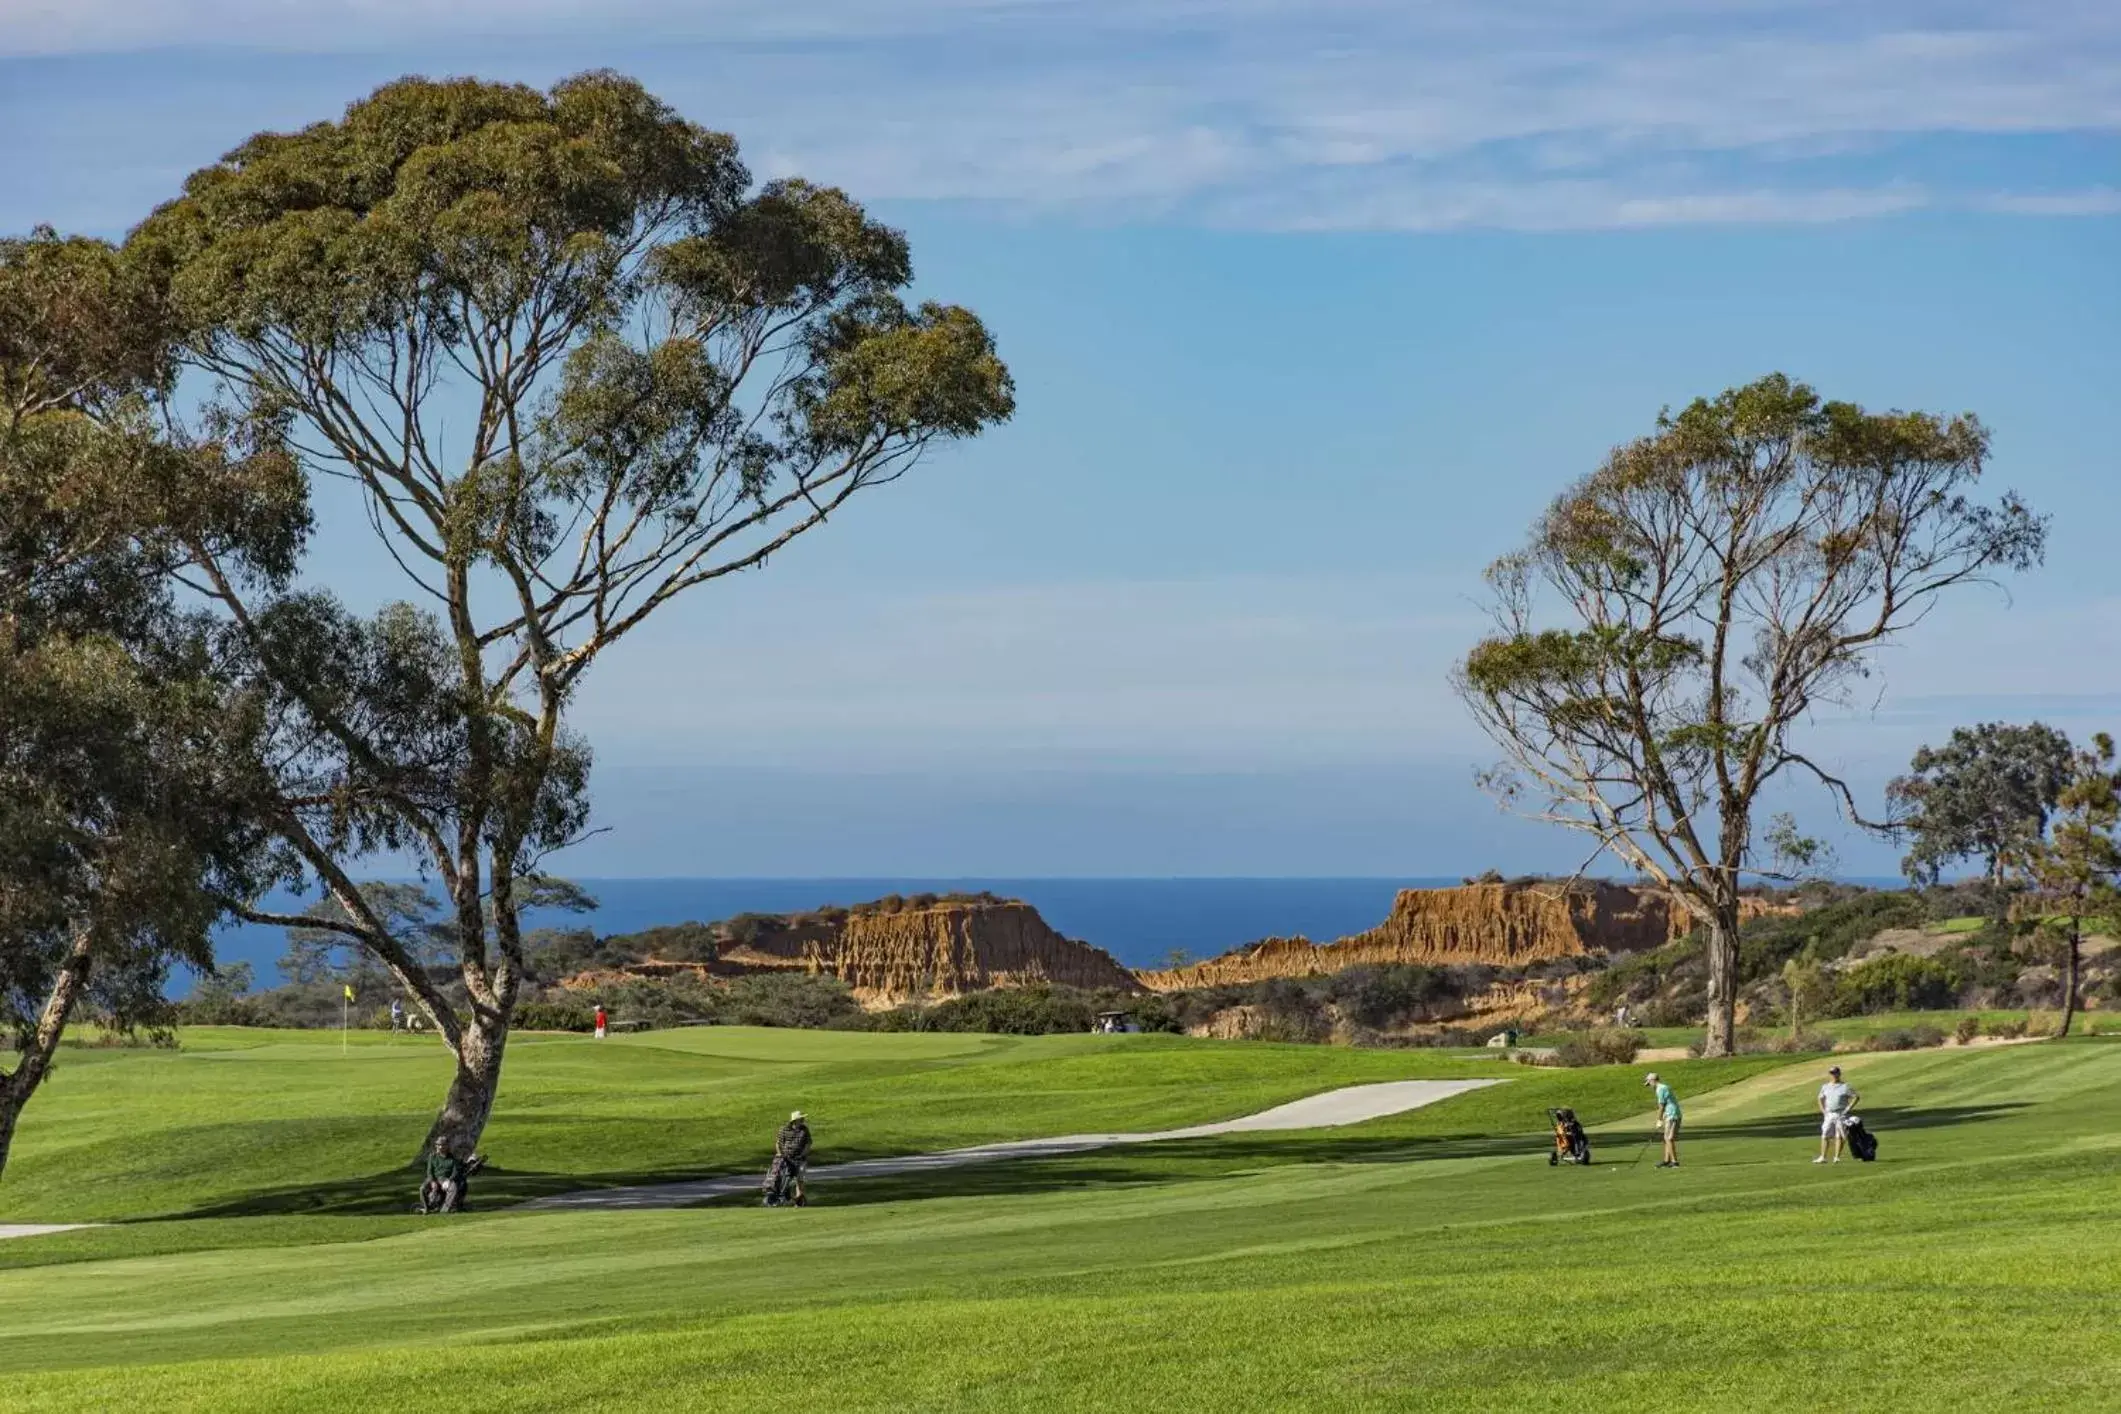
point(892, 952)
point(1503, 925)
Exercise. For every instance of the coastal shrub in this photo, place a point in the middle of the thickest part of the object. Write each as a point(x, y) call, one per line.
point(1751, 1042)
point(1605, 1046)
point(786, 999)
point(221, 1011)
point(217, 999)
point(653, 1002)
point(1293, 1012)
point(1378, 997)
point(1019, 1011)
point(1985, 962)
point(554, 953)
point(1896, 982)
point(555, 1016)
point(1912, 1038)
point(1827, 932)
point(1647, 977)
point(1968, 1028)
point(2008, 1030)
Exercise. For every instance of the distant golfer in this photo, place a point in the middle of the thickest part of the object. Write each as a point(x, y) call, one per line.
point(601, 1020)
point(791, 1155)
point(397, 1015)
point(1837, 1101)
point(1667, 1119)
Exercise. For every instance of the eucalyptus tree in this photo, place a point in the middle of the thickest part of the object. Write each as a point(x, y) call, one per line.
point(126, 751)
point(1677, 616)
point(2072, 875)
point(574, 363)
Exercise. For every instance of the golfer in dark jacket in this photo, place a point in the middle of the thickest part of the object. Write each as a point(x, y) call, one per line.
point(791, 1149)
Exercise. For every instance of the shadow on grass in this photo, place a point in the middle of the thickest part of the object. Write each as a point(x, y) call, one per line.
point(397, 1191)
point(394, 1191)
point(1228, 1155)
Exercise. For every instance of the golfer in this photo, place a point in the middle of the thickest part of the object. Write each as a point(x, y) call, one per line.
point(602, 1019)
point(1667, 1119)
point(1837, 1100)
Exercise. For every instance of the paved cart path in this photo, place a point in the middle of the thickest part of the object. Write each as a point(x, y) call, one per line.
point(1350, 1105)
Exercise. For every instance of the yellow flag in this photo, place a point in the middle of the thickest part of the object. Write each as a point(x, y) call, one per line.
point(349, 991)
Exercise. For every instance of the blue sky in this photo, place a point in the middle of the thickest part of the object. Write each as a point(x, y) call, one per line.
point(1312, 307)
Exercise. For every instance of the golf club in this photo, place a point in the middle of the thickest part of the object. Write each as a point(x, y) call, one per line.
point(1645, 1147)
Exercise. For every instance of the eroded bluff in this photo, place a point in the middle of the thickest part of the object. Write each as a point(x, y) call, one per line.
point(1504, 925)
point(888, 954)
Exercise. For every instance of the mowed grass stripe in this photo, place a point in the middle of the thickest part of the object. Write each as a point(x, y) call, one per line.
point(258, 1124)
point(1715, 1310)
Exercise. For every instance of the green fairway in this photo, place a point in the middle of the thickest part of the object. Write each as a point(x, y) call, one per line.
point(246, 1123)
point(1427, 1261)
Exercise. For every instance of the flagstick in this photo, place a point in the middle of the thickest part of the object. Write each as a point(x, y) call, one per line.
point(345, 1014)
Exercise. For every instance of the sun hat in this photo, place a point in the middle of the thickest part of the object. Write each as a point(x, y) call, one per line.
point(1650, 1079)
point(795, 1116)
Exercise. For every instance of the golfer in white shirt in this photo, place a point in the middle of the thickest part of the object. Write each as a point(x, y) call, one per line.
point(1836, 1102)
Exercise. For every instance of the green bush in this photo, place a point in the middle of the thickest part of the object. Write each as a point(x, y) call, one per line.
point(1968, 1028)
point(1379, 997)
point(555, 1016)
point(1023, 1011)
point(1606, 1046)
point(1913, 1038)
point(787, 999)
point(1896, 982)
point(1828, 931)
point(656, 1001)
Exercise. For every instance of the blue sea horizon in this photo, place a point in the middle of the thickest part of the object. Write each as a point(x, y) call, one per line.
point(1140, 921)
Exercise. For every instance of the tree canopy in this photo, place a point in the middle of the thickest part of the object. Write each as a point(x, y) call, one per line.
point(1984, 795)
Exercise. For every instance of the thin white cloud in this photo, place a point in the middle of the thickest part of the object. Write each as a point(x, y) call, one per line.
point(1544, 114)
point(2090, 201)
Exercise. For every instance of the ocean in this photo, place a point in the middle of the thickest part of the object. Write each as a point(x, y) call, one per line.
point(1139, 921)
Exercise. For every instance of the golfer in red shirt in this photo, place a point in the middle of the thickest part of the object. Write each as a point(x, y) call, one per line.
point(600, 1022)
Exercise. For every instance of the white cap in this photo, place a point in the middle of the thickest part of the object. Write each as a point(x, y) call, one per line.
point(795, 1116)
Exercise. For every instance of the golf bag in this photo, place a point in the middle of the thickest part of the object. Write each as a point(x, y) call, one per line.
point(1861, 1142)
point(781, 1184)
point(438, 1197)
point(1571, 1144)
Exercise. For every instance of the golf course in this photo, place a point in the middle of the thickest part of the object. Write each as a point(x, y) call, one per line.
point(254, 1249)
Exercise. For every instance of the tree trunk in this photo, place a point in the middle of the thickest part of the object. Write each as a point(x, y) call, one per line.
point(17, 1086)
point(2070, 971)
point(470, 1100)
point(1723, 980)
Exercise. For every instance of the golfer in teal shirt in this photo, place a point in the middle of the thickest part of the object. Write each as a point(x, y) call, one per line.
point(1667, 1119)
